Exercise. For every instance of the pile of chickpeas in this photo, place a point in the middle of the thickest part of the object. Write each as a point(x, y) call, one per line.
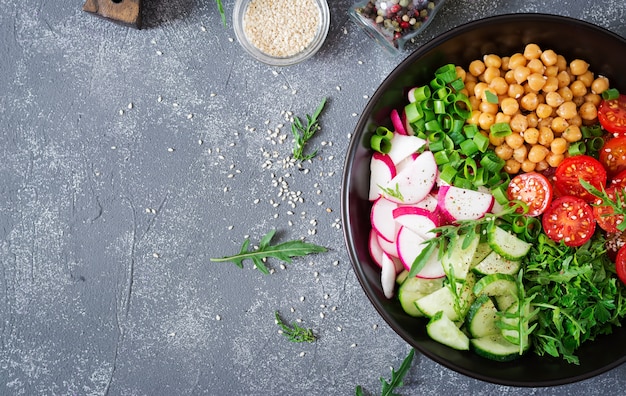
point(544, 99)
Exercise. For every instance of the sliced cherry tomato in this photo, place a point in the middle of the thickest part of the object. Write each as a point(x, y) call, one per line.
point(534, 189)
point(569, 219)
point(604, 214)
point(614, 242)
point(619, 179)
point(613, 155)
point(612, 115)
point(620, 264)
point(568, 173)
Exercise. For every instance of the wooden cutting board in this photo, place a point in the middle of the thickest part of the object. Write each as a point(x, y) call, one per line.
point(126, 12)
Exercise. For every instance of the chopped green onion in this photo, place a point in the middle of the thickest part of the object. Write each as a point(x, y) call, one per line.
point(437, 83)
point(481, 141)
point(591, 131)
point(594, 145)
point(439, 107)
point(610, 94)
point(577, 148)
point(469, 167)
point(457, 137)
point(470, 130)
point(462, 182)
point(468, 147)
point(442, 93)
point(380, 144)
point(446, 73)
point(441, 157)
point(413, 112)
point(422, 93)
point(492, 162)
point(500, 129)
point(491, 97)
point(499, 194)
point(432, 125)
point(462, 106)
point(457, 124)
point(457, 85)
point(448, 173)
point(384, 132)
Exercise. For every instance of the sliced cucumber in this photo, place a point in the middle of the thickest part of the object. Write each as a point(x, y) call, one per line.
point(456, 262)
point(441, 329)
point(444, 300)
point(482, 250)
point(496, 347)
point(511, 322)
point(482, 317)
point(401, 277)
point(505, 301)
point(494, 263)
point(412, 289)
point(496, 285)
point(506, 244)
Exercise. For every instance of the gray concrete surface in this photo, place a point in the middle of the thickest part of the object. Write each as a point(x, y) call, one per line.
point(131, 157)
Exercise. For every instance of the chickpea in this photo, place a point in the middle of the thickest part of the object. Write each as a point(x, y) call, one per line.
point(586, 78)
point(551, 85)
point(554, 99)
point(499, 85)
point(460, 72)
point(537, 153)
point(548, 57)
point(578, 88)
point(486, 120)
point(476, 67)
point(516, 60)
point(474, 117)
point(532, 119)
point(543, 110)
point(469, 87)
point(529, 101)
point(593, 98)
point(558, 146)
point(544, 122)
point(515, 91)
point(561, 62)
point(563, 79)
point(514, 140)
point(541, 166)
point(551, 71)
point(509, 77)
point(599, 85)
point(532, 51)
point(511, 166)
point(470, 77)
point(496, 141)
point(487, 107)
point(509, 106)
point(491, 73)
point(520, 153)
point(536, 81)
point(572, 134)
point(531, 135)
point(505, 63)
point(567, 110)
point(501, 117)
point(528, 166)
point(578, 100)
point(503, 151)
point(578, 67)
point(576, 120)
point(588, 111)
point(518, 123)
point(535, 66)
point(521, 74)
point(554, 160)
point(559, 125)
point(479, 90)
point(566, 93)
point(492, 60)
point(546, 136)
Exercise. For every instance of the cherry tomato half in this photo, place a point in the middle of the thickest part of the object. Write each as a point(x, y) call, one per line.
point(534, 189)
point(567, 174)
point(619, 179)
point(614, 242)
point(612, 115)
point(620, 264)
point(613, 155)
point(604, 214)
point(569, 219)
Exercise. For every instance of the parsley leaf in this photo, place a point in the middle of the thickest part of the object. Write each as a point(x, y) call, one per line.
point(282, 251)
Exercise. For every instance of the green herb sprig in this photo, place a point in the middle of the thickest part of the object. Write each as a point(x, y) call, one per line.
point(302, 134)
point(397, 378)
point(396, 193)
point(282, 251)
point(220, 8)
point(295, 333)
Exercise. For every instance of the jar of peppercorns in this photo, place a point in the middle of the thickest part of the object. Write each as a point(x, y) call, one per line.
point(394, 22)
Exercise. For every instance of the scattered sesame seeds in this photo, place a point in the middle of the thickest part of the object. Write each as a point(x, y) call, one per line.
point(218, 317)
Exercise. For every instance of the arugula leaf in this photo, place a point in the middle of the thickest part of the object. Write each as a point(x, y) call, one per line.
point(391, 192)
point(302, 134)
point(282, 251)
point(397, 377)
point(220, 8)
point(295, 333)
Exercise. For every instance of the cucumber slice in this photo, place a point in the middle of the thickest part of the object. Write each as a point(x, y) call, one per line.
point(504, 302)
point(482, 317)
point(444, 300)
point(496, 347)
point(456, 262)
point(482, 250)
point(441, 329)
point(506, 244)
point(494, 263)
point(412, 289)
point(401, 277)
point(512, 319)
point(496, 285)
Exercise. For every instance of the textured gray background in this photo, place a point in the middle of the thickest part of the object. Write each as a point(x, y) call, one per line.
point(109, 214)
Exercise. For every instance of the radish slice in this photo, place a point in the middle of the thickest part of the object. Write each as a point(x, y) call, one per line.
point(411, 95)
point(376, 251)
point(381, 218)
point(382, 170)
point(462, 204)
point(418, 220)
point(429, 203)
point(407, 127)
point(388, 276)
point(415, 181)
point(398, 125)
point(388, 247)
point(402, 146)
point(405, 162)
point(410, 246)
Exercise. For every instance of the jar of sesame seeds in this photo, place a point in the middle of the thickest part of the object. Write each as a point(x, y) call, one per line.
point(393, 23)
point(281, 32)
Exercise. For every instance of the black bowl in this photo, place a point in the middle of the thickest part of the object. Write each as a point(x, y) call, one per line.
point(503, 35)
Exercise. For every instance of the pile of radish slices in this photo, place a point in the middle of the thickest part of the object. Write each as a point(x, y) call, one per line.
point(409, 200)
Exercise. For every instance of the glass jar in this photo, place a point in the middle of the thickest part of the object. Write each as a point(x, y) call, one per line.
point(393, 23)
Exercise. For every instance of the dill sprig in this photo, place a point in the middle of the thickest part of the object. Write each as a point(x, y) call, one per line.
point(302, 134)
point(294, 333)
